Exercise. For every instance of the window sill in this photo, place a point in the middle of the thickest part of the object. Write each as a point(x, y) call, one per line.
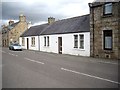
point(46, 46)
point(108, 51)
point(82, 49)
point(79, 49)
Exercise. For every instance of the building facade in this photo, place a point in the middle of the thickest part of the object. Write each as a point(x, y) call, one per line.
point(105, 29)
point(12, 32)
point(30, 39)
point(68, 36)
point(4, 35)
point(71, 43)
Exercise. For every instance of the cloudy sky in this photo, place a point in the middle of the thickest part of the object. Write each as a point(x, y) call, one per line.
point(37, 11)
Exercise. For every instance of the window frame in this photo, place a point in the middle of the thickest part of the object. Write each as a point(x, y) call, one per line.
point(44, 40)
point(75, 41)
point(82, 41)
point(48, 41)
point(32, 41)
point(111, 41)
point(106, 5)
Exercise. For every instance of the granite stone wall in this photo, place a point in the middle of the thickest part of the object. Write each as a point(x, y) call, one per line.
point(100, 22)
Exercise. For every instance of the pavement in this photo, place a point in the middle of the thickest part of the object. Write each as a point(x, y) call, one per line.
point(34, 69)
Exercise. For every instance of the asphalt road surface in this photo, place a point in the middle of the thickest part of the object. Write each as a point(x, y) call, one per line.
point(33, 69)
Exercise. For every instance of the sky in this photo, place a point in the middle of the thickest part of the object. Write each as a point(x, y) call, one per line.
point(38, 11)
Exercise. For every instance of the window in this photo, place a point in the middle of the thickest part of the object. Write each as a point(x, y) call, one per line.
point(81, 41)
point(107, 39)
point(75, 41)
point(44, 41)
point(23, 41)
point(33, 41)
point(108, 8)
point(47, 40)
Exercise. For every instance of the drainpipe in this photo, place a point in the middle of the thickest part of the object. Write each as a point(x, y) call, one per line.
point(92, 12)
point(93, 28)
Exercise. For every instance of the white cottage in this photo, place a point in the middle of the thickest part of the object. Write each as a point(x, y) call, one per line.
point(68, 36)
point(30, 39)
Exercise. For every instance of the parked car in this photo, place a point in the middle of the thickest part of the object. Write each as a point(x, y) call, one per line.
point(15, 47)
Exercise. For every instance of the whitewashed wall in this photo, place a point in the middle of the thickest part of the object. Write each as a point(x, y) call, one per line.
point(36, 47)
point(67, 44)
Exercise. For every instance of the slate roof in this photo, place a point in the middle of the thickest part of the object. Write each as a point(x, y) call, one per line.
point(34, 30)
point(12, 26)
point(71, 25)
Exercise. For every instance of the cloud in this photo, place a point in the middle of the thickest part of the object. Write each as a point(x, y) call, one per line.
point(39, 10)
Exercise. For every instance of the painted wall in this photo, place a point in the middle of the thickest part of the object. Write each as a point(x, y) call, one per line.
point(36, 47)
point(67, 44)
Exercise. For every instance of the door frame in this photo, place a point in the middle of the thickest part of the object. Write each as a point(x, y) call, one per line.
point(27, 43)
point(60, 45)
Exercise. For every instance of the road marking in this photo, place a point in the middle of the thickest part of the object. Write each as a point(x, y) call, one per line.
point(12, 54)
point(34, 61)
point(88, 75)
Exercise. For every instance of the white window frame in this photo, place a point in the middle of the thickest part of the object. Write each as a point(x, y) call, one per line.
point(81, 40)
point(48, 41)
point(76, 41)
point(44, 40)
point(32, 41)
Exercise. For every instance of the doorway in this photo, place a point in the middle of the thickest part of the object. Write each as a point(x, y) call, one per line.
point(27, 43)
point(60, 45)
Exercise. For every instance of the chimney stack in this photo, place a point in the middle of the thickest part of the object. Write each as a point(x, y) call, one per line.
point(11, 22)
point(51, 20)
point(22, 18)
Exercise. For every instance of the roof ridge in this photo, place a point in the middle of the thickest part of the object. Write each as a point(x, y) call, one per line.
point(69, 25)
point(73, 17)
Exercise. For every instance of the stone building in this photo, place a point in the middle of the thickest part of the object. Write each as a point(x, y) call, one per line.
point(12, 32)
point(67, 36)
point(4, 35)
point(105, 29)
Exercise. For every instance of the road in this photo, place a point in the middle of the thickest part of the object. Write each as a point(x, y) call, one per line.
point(33, 69)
